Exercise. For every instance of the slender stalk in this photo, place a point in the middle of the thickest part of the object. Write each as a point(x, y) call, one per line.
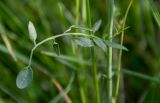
point(88, 18)
point(60, 35)
point(52, 38)
point(95, 75)
point(30, 58)
point(120, 53)
point(81, 87)
point(93, 54)
point(84, 13)
point(77, 12)
point(109, 53)
point(81, 27)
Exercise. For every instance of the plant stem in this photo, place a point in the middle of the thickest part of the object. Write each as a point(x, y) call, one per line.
point(109, 53)
point(79, 66)
point(52, 38)
point(81, 27)
point(120, 53)
point(84, 13)
point(77, 12)
point(30, 58)
point(95, 74)
point(93, 54)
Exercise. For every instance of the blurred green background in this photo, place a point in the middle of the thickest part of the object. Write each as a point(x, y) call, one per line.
point(141, 64)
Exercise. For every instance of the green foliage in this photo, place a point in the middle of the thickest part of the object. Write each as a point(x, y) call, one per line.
point(100, 43)
point(24, 78)
point(51, 19)
point(97, 26)
point(84, 42)
point(32, 32)
point(115, 45)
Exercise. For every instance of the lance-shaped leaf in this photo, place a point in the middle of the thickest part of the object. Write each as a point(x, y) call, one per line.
point(97, 25)
point(115, 45)
point(24, 78)
point(155, 12)
point(85, 42)
point(56, 48)
point(32, 32)
point(100, 43)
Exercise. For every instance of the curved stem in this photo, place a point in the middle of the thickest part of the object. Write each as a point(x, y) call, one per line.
point(52, 38)
point(81, 27)
point(120, 53)
point(78, 27)
point(30, 58)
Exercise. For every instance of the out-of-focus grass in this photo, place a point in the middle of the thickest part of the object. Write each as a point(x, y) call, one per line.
point(54, 16)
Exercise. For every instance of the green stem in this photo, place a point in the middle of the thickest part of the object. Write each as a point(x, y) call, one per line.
point(81, 88)
point(77, 11)
point(95, 75)
point(52, 38)
point(30, 58)
point(80, 80)
point(81, 27)
point(93, 54)
point(88, 14)
point(84, 13)
point(120, 53)
point(109, 53)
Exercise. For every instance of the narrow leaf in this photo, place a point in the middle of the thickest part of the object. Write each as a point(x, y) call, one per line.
point(32, 31)
point(85, 42)
point(155, 12)
point(7, 42)
point(115, 45)
point(24, 78)
point(100, 43)
point(97, 25)
point(56, 48)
